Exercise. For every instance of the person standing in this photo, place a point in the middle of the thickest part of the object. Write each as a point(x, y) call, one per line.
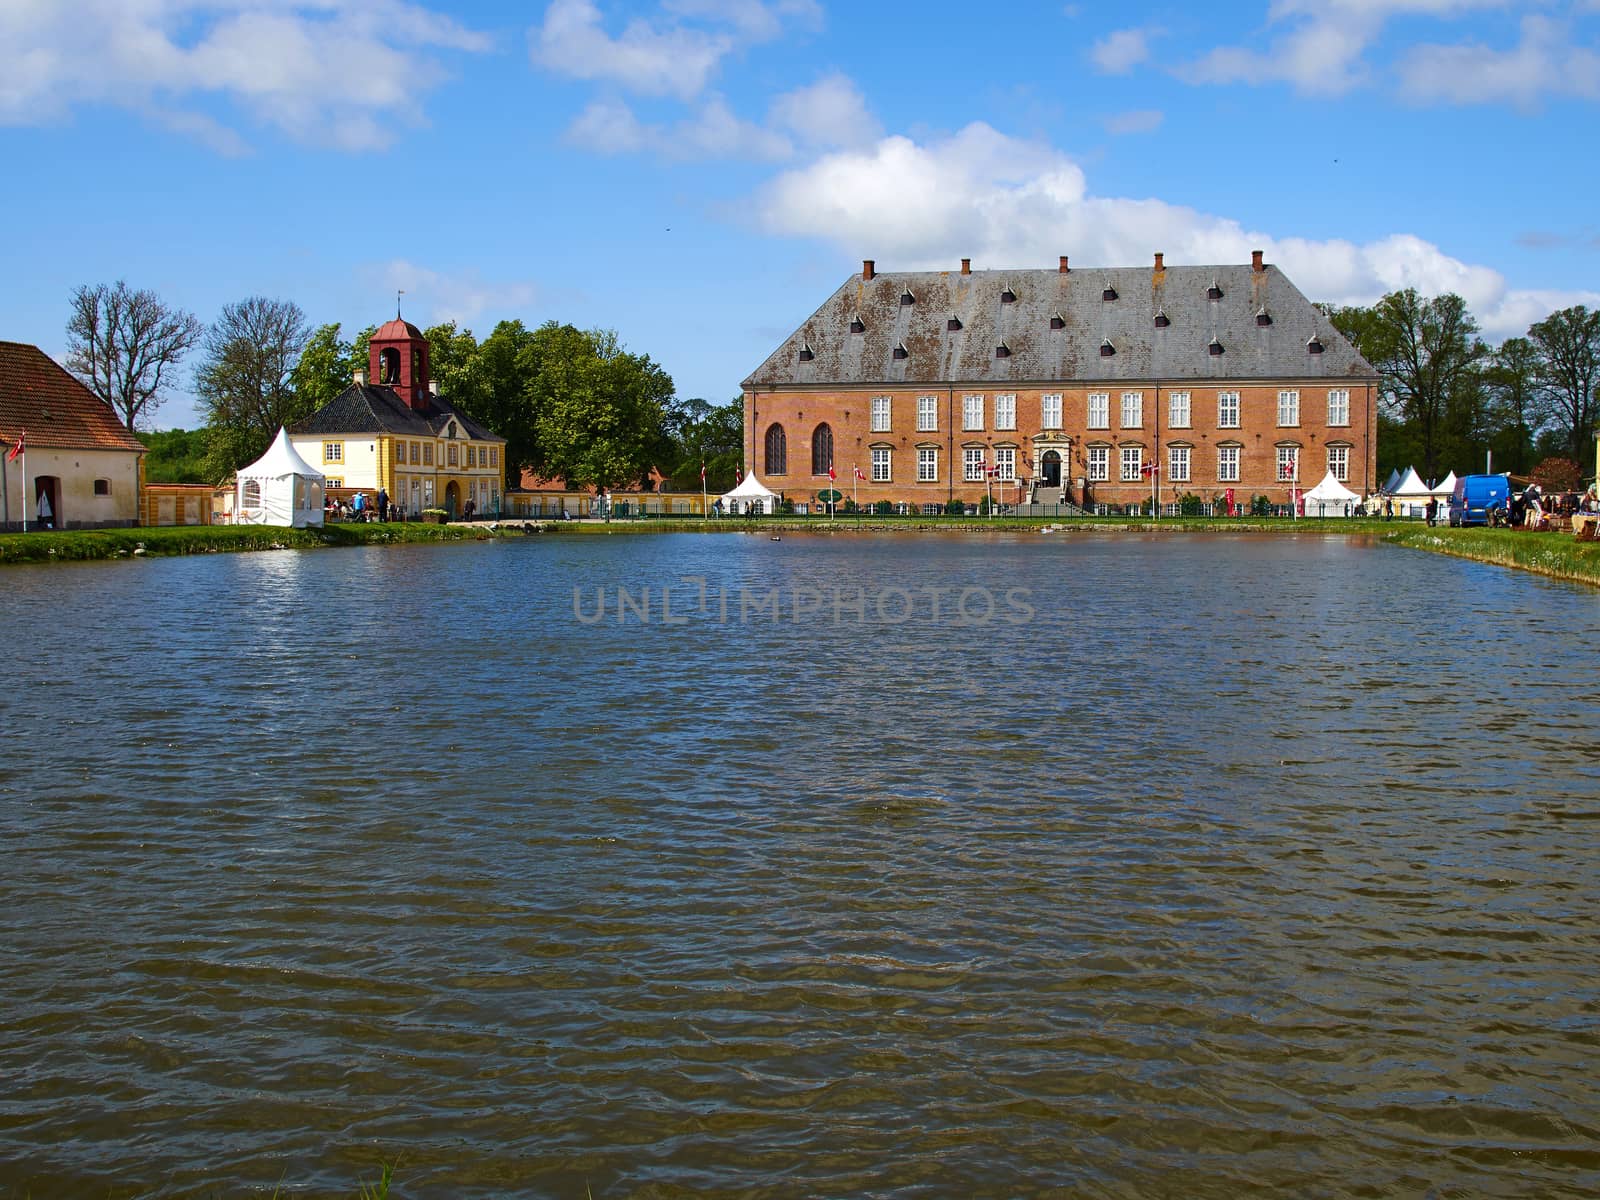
point(383, 504)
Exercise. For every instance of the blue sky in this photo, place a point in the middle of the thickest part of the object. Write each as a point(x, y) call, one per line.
point(700, 174)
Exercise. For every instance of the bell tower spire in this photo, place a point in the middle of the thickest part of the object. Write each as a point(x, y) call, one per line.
point(399, 359)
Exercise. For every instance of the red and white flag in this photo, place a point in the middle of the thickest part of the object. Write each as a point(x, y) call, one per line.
point(831, 475)
point(1150, 469)
point(738, 475)
point(859, 475)
point(702, 474)
point(17, 449)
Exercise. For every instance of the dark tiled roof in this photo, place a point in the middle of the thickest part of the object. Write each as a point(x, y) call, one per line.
point(39, 396)
point(1057, 326)
point(373, 408)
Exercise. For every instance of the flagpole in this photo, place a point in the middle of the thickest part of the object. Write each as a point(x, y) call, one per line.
point(24, 483)
point(5, 494)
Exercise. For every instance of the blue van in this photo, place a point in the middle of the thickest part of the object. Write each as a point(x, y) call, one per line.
point(1478, 499)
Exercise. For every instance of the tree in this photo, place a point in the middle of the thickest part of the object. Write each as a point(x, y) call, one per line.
point(502, 395)
point(1568, 344)
point(175, 456)
point(125, 345)
point(599, 409)
point(1428, 354)
point(246, 379)
point(1510, 378)
point(1558, 475)
point(698, 432)
point(325, 368)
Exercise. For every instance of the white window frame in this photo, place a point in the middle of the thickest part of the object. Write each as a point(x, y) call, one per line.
point(1178, 464)
point(1288, 408)
point(1290, 456)
point(882, 409)
point(927, 414)
point(1339, 462)
point(1099, 464)
point(882, 464)
point(1050, 410)
point(972, 412)
point(1227, 410)
point(927, 465)
point(1178, 410)
point(1005, 410)
point(1338, 406)
point(1228, 464)
point(333, 452)
point(1133, 410)
point(1099, 410)
point(1132, 461)
point(1005, 463)
point(974, 464)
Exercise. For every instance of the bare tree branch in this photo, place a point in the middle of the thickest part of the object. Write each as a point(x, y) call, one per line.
point(123, 343)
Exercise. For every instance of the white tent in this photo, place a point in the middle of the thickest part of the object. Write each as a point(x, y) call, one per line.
point(1330, 498)
point(1446, 487)
point(1411, 494)
point(279, 488)
point(1391, 483)
point(750, 496)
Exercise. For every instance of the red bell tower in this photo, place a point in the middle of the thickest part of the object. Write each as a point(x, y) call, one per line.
point(399, 359)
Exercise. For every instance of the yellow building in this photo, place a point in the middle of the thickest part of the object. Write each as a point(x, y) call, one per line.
point(398, 434)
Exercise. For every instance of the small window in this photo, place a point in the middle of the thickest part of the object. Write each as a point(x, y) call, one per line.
point(1008, 297)
point(332, 451)
point(1002, 351)
point(1314, 346)
point(953, 324)
point(1215, 348)
point(805, 353)
point(494, 456)
point(455, 455)
point(252, 493)
point(907, 298)
point(1057, 322)
point(1162, 321)
point(1106, 348)
point(102, 487)
point(856, 326)
point(472, 456)
point(1213, 292)
point(1109, 294)
point(900, 352)
point(1263, 318)
point(416, 453)
point(427, 454)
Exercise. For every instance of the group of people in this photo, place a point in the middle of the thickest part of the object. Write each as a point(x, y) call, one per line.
point(360, 508)
point(1535, 510)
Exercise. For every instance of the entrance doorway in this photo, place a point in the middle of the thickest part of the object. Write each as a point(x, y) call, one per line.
point(48, 513)
point(452, 499)
point(1050, 469)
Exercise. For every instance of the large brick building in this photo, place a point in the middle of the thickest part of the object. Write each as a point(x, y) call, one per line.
point(1063, 385)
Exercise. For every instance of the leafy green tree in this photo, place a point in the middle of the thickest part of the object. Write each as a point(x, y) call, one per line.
point(1568, 345)
point(600, 410)
point(245, 382)
point(1511, 378)
point(503, 395)
point(325, 368)
point(175, 456)
point(699, 432)
point(453, 364)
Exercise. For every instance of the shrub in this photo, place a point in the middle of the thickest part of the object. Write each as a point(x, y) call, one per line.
point(955, 508)
point(786, 507)
point(1190, 505)
point(1260, 506)
point(883, 508)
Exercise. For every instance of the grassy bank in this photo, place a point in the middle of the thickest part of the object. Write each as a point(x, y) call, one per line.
point(76, 545)
point(875, 524)
point(1559, 555)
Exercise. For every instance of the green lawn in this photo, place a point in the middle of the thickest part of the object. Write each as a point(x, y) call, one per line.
point(82, 544)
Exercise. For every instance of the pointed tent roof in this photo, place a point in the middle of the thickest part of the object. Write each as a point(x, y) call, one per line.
point(750, 488)
point(280, 460)
point(1445, 485)
point(1411, 485)
point(1392, 482)
point(1330, 491)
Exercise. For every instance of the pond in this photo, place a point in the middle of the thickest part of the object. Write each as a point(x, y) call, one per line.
point(859, 865)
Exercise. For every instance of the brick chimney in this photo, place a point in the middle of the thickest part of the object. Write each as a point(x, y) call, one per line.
point(868, 269)
point(966, 266)
point(1255, 261)
point(1063, 268)
point(1160, 266)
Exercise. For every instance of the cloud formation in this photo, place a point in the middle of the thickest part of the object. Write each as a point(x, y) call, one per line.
point(1006, 202)
point(461, 297)
point(287, 65)
point(1118, 53)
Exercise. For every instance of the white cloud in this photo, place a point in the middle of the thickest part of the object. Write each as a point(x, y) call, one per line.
point(666, 57)
point(1324, 46)
point(1118, 53)
point(461, 297)
point(1544, 62)
point(1143, 120)
point(830, 112)
point(712, 132)
point(1006, 202)
point(335, 72)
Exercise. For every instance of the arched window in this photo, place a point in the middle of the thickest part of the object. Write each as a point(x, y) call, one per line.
point(821, 449)
point(252, 493)
point(389, 366)
point(777, 451)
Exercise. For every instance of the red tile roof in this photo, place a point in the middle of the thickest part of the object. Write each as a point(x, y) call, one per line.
point(38, 396)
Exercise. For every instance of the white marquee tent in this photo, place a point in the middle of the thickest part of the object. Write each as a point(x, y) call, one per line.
point(1411, 494)
point(750, 493)
point(279, 488)
point(1330, 498)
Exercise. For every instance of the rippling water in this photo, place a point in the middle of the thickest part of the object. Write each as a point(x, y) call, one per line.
point(1245, 867)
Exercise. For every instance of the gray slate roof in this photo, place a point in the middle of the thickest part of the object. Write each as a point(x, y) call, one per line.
point(1039, 354)
point(374, 408)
